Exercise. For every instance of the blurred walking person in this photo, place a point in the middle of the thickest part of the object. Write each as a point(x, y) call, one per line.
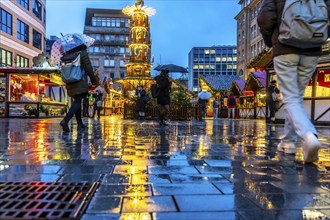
point(98, 103)
point(273, 103)
point(141, 102)
point(231, 105)
point(77, 90)
point(294, 67)
point(215, 105)
point(163, 98)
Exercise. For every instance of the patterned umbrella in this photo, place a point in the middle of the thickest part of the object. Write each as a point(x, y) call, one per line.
point(66, 43)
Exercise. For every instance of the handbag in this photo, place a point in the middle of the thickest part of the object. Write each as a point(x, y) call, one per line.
point(72, 72)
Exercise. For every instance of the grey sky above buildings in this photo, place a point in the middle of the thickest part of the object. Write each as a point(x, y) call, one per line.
point(177, 27)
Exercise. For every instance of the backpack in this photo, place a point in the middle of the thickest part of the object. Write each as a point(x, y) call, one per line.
point(304, 23)
point(276, 96)
point(232, 101)
point(154, 90)
point(72, 72)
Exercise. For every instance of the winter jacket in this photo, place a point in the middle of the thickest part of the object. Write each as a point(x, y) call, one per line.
point(140, 105)
point(80, 87)
point(269, 19)
point(164, 86)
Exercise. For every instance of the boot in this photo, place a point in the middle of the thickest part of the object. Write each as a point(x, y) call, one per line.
point(65, 126)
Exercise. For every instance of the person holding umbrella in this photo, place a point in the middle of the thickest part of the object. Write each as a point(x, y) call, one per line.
point(163, 98)
point(73, 46)
point(203, 98)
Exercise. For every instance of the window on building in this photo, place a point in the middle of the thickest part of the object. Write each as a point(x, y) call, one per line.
point(122, 75)
point(122, 38)
point(94, 49)
point(207, 66)
point(96, 36)
point(212, 67)
point(36, 39)
point(212, 51)
point(229, 66)
point(95, 62)
point(195, 67)
point(218, 59)
point(37, 8)
point(22, 31)
point(235, 59)
point(44, 16)
point(122, 50)
point(109, 62)
point(112, 75)
point(6, 22)
point(22, 61)
point(229, 59)
point(106, 49)
point(121, 63)
point(224, 59)
point(201, 66)
point(109, 37)
point(6, 57)
point(24, 3)
point(207, 51)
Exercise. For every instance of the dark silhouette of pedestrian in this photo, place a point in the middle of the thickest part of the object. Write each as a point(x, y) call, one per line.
point(77, 90)
point(98, 103)
point(202, 103)
point(163, 98)
point(141, 102)
point(272, 104)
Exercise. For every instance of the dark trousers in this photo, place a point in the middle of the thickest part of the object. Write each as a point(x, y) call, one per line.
point(85, 111)
point(75, 109)
point(98, 110)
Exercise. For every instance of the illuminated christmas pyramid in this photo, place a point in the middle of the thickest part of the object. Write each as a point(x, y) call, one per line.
point(138, 64)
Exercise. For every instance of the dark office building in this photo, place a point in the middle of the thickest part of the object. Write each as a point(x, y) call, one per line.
point(216, 60)
point(109, 28)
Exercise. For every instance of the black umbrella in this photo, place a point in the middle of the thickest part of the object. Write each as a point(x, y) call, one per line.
point(171, 68)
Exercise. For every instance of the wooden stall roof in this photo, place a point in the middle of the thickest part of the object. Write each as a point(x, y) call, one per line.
point(263, 59)
point(237, 86)
point(256, 81)
point(218, 83)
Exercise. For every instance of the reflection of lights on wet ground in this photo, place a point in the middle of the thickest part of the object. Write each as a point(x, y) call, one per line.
point(135, 216)
point(314, 214)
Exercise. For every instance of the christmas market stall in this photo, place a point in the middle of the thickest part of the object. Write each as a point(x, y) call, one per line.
point(26, 92)
point(219, 86)
point(252, 103)
point(317, 94)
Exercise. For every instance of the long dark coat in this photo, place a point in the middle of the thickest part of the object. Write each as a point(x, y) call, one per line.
point(269, 18)
point(140, 105)
point(164, 86)
point(271, 103)
point(80, 87)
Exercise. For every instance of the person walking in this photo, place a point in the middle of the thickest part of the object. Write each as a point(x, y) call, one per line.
point(294, 67)
point(273, 103)
point(77, 90)
point(163, 98)
point(85, 104)
point(141, 103)
point(202, 103)
point(98, 103)
point(215, 105)
point(231, 105)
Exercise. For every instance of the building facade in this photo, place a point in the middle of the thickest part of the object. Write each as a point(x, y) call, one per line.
point(249, 39)
point(22, 31)
point(217, 60)
point(110, 29)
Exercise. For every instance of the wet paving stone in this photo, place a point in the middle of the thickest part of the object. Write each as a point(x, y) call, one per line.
point(211, 169)
point(149, 204)
point(214, 203)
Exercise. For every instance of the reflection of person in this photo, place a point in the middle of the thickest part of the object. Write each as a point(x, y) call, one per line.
point(77, 90)
point(272, 103)
point(215, 105)
point(98, 101)
point(294, 68)
point(163, 99)
point(231, 105)
point(202, 103)
point(140, 105)
point(85, 106)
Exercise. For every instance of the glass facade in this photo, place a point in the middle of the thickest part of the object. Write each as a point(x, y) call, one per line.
point(24, 3)
point(6, 58)
point(212, 60)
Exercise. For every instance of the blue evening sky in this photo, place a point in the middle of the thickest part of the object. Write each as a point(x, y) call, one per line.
point(177, 27)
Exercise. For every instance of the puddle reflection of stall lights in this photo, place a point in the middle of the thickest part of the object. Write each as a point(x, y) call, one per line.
point(258, 193)
point(40, 148)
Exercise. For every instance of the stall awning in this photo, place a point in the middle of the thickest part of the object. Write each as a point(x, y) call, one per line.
point(256, 81)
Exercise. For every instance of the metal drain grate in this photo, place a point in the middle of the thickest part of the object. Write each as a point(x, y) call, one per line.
point(44, 200)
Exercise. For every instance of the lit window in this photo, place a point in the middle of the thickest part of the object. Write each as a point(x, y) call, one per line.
point(195, 67)
point(224, 59)
point(201, 66)
point(218, 59)
point(229, 59)
point(207, 66)
point(22, 61)
point(5, 58)
point(229, 66)
point(212, 51)
point(207, 51)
